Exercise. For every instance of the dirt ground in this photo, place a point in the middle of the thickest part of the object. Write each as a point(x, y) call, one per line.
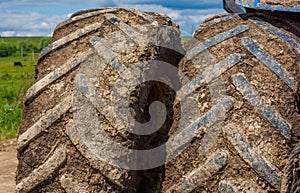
point(8, 166)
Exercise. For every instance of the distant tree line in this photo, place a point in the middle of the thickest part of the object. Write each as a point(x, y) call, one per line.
point(24, 48)
point(7, 50)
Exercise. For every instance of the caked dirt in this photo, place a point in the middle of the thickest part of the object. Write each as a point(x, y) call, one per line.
point(8, 165)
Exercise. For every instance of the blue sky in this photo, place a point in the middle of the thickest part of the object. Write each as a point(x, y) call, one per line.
point(39, 18)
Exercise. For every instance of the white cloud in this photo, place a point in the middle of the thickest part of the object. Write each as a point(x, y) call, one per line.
point(44, 24)
point(40, 23)
point(171, 3)
point(8, 33)
point(28, 24)
point(12, 3)
point(188, 19)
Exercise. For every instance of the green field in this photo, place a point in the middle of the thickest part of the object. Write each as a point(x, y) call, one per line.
point(14, 81)
point(185, 38)
point(16, 40)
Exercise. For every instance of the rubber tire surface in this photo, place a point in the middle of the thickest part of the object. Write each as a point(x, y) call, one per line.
point(49, 161)
point(249, 151)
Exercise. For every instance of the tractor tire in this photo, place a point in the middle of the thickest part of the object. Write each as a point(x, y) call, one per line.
point(245, 70)
point(91, 47)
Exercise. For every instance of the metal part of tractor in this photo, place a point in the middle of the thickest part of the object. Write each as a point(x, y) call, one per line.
point(285, 9)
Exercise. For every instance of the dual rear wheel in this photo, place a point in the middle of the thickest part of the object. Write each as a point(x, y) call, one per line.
point(240, 133)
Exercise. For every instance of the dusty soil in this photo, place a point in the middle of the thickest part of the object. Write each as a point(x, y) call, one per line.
point(8, 166)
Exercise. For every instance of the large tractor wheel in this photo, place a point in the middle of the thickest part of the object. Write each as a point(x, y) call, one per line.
point(245, 74)
point(69, 111)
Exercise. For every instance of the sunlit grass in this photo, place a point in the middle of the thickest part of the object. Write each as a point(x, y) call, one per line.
point(14, 81)
point(12, 89)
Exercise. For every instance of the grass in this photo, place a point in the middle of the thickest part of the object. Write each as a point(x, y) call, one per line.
point(185, 38)
point(14, 82)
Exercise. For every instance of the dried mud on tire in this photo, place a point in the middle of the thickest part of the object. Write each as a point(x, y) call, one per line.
point(244, 70)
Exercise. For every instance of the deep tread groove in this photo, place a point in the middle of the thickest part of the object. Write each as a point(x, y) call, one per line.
point(69, 38)
point(43, 123)
point(43, 172)
point(258, 163)
point(126, 29)
point(43, 83)
point(277, 32)
point(106, 53)
point(216, 21)
point(194, 179)
point(102, 106)
point(111, 172)
point(270, 62)
point(216, 40)
point(209, 74)
point(269, 113)
point(215, 114)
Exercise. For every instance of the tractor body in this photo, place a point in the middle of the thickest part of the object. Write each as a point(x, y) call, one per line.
point(286, 9)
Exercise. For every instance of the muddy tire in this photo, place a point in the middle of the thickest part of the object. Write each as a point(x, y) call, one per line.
point(248, 65)
point(52, 156)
